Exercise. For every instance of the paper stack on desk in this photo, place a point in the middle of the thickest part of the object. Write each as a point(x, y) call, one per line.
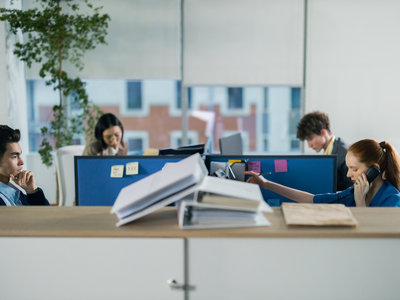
point(223, 203)
point(164, 187)
point(214, 202)
point(318, 214)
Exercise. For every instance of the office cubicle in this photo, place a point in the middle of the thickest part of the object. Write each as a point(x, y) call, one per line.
point(311, 173)
point(94, 185)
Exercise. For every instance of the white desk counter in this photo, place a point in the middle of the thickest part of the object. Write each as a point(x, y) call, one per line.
point(79, 253)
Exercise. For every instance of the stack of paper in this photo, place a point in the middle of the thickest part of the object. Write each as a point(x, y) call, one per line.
point(223, 203)
point(159, 189)
point(228, 201)
point(318, 214)
point(205, 202)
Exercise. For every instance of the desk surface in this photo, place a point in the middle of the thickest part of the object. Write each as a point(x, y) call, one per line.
point(98, 222)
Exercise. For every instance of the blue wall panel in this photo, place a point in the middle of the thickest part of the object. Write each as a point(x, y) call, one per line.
point(311, 173)
point(95, 187)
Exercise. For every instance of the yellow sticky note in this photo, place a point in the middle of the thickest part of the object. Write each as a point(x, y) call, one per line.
point(132, 168)
point(117, 171)
point(231, 161)
point(150, 151)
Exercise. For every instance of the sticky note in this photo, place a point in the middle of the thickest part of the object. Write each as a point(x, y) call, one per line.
point(280, 165)
point(231, 161)
point(132, 168)
point(254, 166)
point(117, 171)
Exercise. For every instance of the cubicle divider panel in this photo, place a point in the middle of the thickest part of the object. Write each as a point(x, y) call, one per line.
point(311, 173)
point(94, 185)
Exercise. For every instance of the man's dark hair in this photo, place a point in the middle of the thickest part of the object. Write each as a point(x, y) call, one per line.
point(312, 123)
point(7, 136)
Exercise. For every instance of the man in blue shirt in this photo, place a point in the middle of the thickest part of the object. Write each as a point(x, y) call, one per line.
point(17, 186)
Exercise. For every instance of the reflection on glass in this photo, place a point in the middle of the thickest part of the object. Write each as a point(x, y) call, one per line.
point(151, 110)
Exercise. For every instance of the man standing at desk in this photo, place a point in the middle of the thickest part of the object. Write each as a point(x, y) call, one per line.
point(315, 128)
point(17, 186)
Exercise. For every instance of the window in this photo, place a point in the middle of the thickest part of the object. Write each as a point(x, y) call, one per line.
point(296, 98)
point(34, 140)
point(179, 96)
point(294, 117)
point(295, 145)
point(235, 98)
point(135, 144)
point(74, 105)
point(134, 95)
point(265, 123)
point(30, 89)
point(179, 142)
point(266, 98)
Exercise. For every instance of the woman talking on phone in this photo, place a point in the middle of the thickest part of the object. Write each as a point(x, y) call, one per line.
point(361, 156)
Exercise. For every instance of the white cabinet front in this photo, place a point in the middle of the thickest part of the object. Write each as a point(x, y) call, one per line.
point(293, 268)
point(90, 268)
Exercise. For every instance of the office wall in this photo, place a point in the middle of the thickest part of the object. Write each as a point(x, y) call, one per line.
point(353, 67)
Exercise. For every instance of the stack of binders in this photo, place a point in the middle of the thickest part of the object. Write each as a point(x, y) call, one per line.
point(205, 202)
point(220, 203)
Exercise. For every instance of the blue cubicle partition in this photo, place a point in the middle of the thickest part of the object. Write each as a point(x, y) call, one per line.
point(311, 173)
point(94, 185)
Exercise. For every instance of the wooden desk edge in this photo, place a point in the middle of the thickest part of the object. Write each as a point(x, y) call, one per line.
point(97, 222)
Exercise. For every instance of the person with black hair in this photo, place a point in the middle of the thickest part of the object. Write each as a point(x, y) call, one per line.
point(109, 134)
point(383, 191)
point(314, 127)
point(17, 186)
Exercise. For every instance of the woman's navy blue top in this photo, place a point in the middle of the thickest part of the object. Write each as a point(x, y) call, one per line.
point(387, 196)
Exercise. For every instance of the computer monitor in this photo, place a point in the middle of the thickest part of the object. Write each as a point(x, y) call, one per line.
point(183, 150)
point(231, 145)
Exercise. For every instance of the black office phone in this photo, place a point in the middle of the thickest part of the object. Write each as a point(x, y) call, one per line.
point(371, 174)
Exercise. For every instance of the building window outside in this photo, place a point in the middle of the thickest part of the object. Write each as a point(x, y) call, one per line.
point(34, 141)
point(74, 105)
point(260, 120)
point(266, 99)
point(235, 98)
point(265, 115)
point(179, 96)
point(294, 117)
point(134, 94)
point(265, 123)
point(294, 145)
point(265, 145)
point(296, 98)
point(135, 144)
point(30, 92)
point(179, 142)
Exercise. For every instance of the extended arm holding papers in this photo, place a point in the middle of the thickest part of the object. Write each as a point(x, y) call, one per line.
point(293, 194)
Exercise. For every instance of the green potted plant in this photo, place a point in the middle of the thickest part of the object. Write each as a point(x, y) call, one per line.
point(55, 35)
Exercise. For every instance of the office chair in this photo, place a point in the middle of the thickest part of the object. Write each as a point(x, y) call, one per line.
point(231, 145)
point(66, 173)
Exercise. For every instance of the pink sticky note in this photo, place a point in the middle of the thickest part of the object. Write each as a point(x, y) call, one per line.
point(254, 166)
point(280, 165)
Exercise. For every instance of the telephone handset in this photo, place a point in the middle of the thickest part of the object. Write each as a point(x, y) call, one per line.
point(371, 174)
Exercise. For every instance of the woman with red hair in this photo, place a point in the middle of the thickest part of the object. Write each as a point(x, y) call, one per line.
point(362, 155)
